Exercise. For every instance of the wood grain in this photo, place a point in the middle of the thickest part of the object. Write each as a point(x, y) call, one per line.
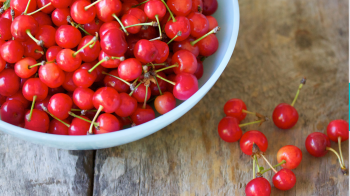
point(279, 42)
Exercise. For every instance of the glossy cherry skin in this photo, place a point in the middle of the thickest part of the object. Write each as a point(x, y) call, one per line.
point(51, 75)
point(130, 69)
point(140, 93)
point(21, 24)
point(108, 26)
point(89, 54)
point(12, 51)
point(59, 16)
point(83, 78)
point(291, 154)
point(162, 84)
point(19, 97)
point(127, 106)
point(39, 122)
point(42, 19)
point(153, 8)
point(35, 87)
point(197, 6)
point(67, 36)
point(5, 29)
point(258, 187)
point(209, 7)
point(79, 127)
point(165, 103)
point(145, 51)
point(61, 4)
point(60, 104)
point(316, 144)
point(250, 137)
point(47, 34)
point(338, 128)
point(42, 3)
point(284, 179)
point(200, 70)
point(12, 112)
point(113, 42)
point(186, 85)
point(20, 5)
point(106, 8)
point(93, 27)
point(186, 45)
point(111, 63)
point(58, 128)
point(128, 20)
point(82, 98)
point(115, 83)
point(285, 116)
point(208, 45)
point(187, 62)
point(80, 15)
point(108, 98)
point(229, 129)
point(234, 107)
point(180, 7)
point(9, 82)
point(199, 24)
point(212, 22)
point(163, 51)
point(31, 49)
point(67, 61)
point(22, 67)
point(139, 14)
point(68, 83)
point(107, 123)
point(52, 52)
point(182, 24)
point(141, 115)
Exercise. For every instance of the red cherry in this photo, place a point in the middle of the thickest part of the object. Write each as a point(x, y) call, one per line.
point(23, 26)
point(141, 115)
point(107, 8)
point(182, 24)
point(58, 128)
point(78, 126)
point(338, 128)
point(107, 124)
point(68, 61)
point(229, 129)
point(199, 24)
point(52, 52)
point(93, 27)
point(42, 19)
point(186, 85)
point(23, 69)
point(285, 116)
point(138, 13)
point(51, 75)
point(59, 16)
point(186, 61)
point(316, 144)
point(82, 98)
point(20, 6)
point(209, 7)
point(113, 42)
point(19, 97)
point(83, 78)
point(145, 51)
point(140, 93)
point(165, 103)
point(89, 53)
point(68, 83)
point(32, 49)
point(82, 13)
point(163, 51)
point(258, 186)
point(208, 45)
point(115, 83)
point(5, 29)
point(9, 84)
point(61, 4)
point(127, 106)
point(212, 22)
point(47, 34)
point(197, 6)
point(130, 69)
point(42, 3)
point(162, 84)
point(186, 45)
point(34, 87)
point(284, 179)
point(7, 14)
point(180, 7)
point(39, 122)
point(108, 26)
point(59, 106)
point(12, 51)
point(200, 70)
point(291, 154)
point(128, 20)
point(234, 107)
point(108, 98)
point(67, 36)
point(253, 137)
point(12, 111)
point(153, 8)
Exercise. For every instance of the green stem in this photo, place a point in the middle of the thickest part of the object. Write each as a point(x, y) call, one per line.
point(141, 24)
point(92, 4)
point(81, 28)
point(177, 35)
point(340, 153)
point(247, 112)
point(41, 63)
point(45, 109)
point(126, 82)
point(160, 64)
point(335, 152)
point(257, 163)
point(79, 110)
point(159, 27)
point(94, 119)
point(160, 91)
point(93, 40)
point(140, 3)
point(134, 89)
point(171, 14)
point(279, 164)
point(253, 168)
point(26, 10)
point(173, 83)
point(81, 118)
point(165, 68)
point(144, 103)
point(31, 109)
point(32, 37)
point(300, 86)
point(215, 30)
point(5, 6)
point(268, 163)
point(38, 10)
point(121, 24)
point(250, 123)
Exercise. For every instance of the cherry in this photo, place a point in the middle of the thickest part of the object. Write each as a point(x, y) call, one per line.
point(209, 7)
point(68, 83)
point(178, 29)
point(317, 143)
point(229, 129)
point(200, 70)
point(12, 51)
point(36, 120)
point(258, 186)
point(186, 45)
point(145, 51)
point(138, 13)
point(197, 6)
point(82, 77)
point(93, 27)
point(284, 179)
point(24, 27)
point(59, 16)
point(253, 137)
point(91, 52)
point(208, 44)
point(59, 106)
point(58, 128)
point(236, 108)
point(107, 8)
point(5, 29)
point(163, 51)
point(51, 75)
point(23, 6)
point(12, 111)
point(212, 22)
point(79, 126)
point(68, 60)
point(130, 69)
point(108, 26)
point(292, 156)
point(82, 12)
point(132, 23)
point(155, 91)
point(186, 61)
point(142, 93)
point(113, 42)
point(47, 4)
point(154, 8)
point(61, 4)
point(338, 130)
point(82, 98)
point(26, 67)
point(34, 89)
point(180, 7)
point(285, 116)
point(186, 85)
point(67, 36)
point(142, 115)
point(128, 105)
point(107, 123)
point(199, 24)
point(52, 52)
point(9, 84)
point(31, 49)
point(19, 97)
point(42, 19)
point(47, 34)
point(112, 80)
point(165, 103)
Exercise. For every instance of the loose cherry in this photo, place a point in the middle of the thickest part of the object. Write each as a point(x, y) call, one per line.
point(284, 179)
point(258, 186)
point(292, 156)
point(26, 67)
point(253, 137)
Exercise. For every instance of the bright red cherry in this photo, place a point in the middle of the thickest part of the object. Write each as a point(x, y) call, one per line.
point(82, 98)
point(59, 106)
point(52, 52)
point(116, 83)
point(131, 20)
point(58, 128)
point(39, 121)
point(199, 24)
point(67, 36)
point(112, 62)
point(186, 85)
point(108, 26)
point(197, 6)
point(127, 106)
point(208, 45)
point(180, 28)
point(9, 82)
point(59, 16)
point(229, 129)
point(186, 61)
point(130, 69)
point(107, 123)
point(291, 154)
point(20, 6)
point(79, 126)
point(212, 22)
point(317, 143)
point(142, 115)
point(23, 27)
point(12, 51)
point(153, 8)
point(51, 75)
point(113, 42)
point(25, 69)
point(258, 186)
point(5, 29)
point(142, 92)
point(32, 49)
point(338, 129)
point(68, 60)
point(145, 51)
point(68, 83)
point(180, 7)
point(235, 108)
point(12, 111)
point(108, 98)
point(48, 9)
point(34, 87)
point(83, 78)
point(253, 137)
point(107, 8)
point(139, 14)
point(89, 53)
point(47, 34)
point(165, 103)
point(284, 179)
point(163, 51)
point(82, 12)
point(209, 7)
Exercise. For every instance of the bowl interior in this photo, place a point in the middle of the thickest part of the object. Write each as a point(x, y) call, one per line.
point(227, 16)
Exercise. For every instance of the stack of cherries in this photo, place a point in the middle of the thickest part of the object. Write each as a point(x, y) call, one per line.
point(77, 67)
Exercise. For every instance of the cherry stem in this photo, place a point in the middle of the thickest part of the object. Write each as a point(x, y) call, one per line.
point(40, 52)
point(121, 24)
point(279, 164)
point(39, 43)
point(160, 64)
point(26, 10)
point(93, 40)
point(177, 35)
point(31, 108)
point(140, 3)
point(13, 16)
point(41, 63)
point(144, 103)
point(215, 30)
point(81, 118)
point(69, 19)
point(92, 4)
point(134, 89)
point(340, 153)
point(254, 167)
point(302, 82)
point(79, 110)
point(126, 82)
point(247, 112)
point(273, 169)
point(81, 28)
point(171, 14)
point(38, 10)
point(173, 83)
point(143, 24)
point(165, 68)
point(159, 27)
point(47, 111)
point(100, 108)
point(154, 39)
point(254, 122)
point(160, 91)
point(340, 162)
point(257, 163)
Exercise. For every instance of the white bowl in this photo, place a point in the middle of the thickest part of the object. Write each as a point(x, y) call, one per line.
point(228, 19)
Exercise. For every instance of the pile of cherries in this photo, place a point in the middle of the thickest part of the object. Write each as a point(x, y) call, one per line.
point(255, 143)
point(77, 67)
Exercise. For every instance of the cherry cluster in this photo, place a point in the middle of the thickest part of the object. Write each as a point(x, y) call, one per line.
point(93, 67)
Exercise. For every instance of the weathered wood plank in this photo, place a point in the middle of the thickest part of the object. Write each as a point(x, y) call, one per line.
point(30, 169)
point(279, 42)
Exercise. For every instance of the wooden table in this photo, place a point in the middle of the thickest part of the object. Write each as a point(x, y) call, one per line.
point(279, 43)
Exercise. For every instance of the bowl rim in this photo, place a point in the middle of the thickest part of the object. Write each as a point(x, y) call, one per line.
point(89, 142)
